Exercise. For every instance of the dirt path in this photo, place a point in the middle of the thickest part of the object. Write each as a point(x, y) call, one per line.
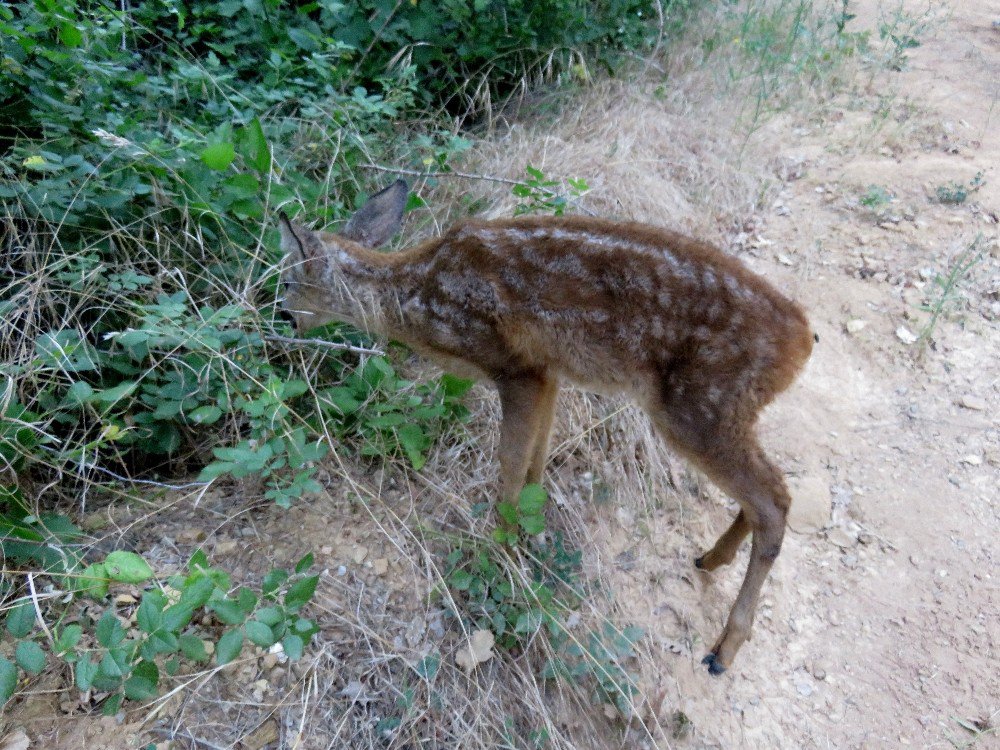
point(888, 639)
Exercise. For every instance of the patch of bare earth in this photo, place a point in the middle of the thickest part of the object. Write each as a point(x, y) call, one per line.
point(880, 623)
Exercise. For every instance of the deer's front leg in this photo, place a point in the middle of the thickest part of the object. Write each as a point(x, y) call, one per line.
point(521, 399)
point(546, 412)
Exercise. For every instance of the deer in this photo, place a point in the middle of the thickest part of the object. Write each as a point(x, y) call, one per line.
point(693, 336)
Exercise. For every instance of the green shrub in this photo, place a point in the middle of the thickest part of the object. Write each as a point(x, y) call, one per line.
point(127, 662)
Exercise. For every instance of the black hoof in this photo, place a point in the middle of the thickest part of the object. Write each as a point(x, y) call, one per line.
point(699, 562)
point(714, 668)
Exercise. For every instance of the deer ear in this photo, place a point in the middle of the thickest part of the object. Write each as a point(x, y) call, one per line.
point(380, 218)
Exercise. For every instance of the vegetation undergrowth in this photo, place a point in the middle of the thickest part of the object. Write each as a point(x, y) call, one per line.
point(142, 153)
point(542, 598)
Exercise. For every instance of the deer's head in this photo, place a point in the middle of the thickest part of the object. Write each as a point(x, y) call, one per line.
point(322, 271)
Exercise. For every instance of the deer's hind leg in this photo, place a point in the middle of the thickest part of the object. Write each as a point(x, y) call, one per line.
point(728, 452)
point(724, 550)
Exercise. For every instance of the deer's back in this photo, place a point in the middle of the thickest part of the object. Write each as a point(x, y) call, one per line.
point(612, 306)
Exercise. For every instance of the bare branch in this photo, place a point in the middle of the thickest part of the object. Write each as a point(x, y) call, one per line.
point(324, 344)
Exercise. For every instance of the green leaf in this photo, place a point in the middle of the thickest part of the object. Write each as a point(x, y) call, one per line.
point(29, 657)
point(197, 593)
point(112, 704)
point(228, 611)
point(219, 156)
point(270, 616)
point(305, 563)
point(66, 350)
point(21, 619)
point(116, 394)
point(198, 561)
point(229, 646)
point(127, 567)
point(70, 35)
point(177, 617)
point(255, 149)
point(259, 633)
point(427, 667)
point(500, 536)
point(460, 580)
point(532, 524)
point(531, 500)
point(246, 599)
point(301, 591)
point(163, 642)
point(8, 680)
point(294, 388)
point(193, 648)
point(109, 667)
point(414, 441)
point(109, 631)
point(149, 616)
point(293, 646)
point(528, 622)
point(243, 184)
point(273, 580)
point(305, 626)
point(68, 638)
point(93, 581)
point(86, 671)
point(455, 387)
point(507, 512)
point(141, 685)
point(215, 469)
point(171, 666)
point(78, 394)
point(205, 414)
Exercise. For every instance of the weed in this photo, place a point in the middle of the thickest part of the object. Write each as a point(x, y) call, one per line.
point(875, 198)
point(899, 32)
point(540, 194)
point(977, 729)
point(955, 192)
point(945, 287)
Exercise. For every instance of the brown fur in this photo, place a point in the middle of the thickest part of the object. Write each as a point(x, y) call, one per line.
point(700, 342)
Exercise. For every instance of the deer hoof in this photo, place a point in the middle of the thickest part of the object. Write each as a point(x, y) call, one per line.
point(714, 667)
point(699, 562)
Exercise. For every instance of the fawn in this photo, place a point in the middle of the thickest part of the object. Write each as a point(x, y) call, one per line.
point(698, 340)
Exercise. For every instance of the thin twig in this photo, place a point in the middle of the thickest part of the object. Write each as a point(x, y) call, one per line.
point(326, 344)
point(130, 480)
point(469, 176)
point(38, 610)
point(464, 175)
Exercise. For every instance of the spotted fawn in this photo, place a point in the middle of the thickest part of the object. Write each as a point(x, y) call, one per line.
point(698, 340)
